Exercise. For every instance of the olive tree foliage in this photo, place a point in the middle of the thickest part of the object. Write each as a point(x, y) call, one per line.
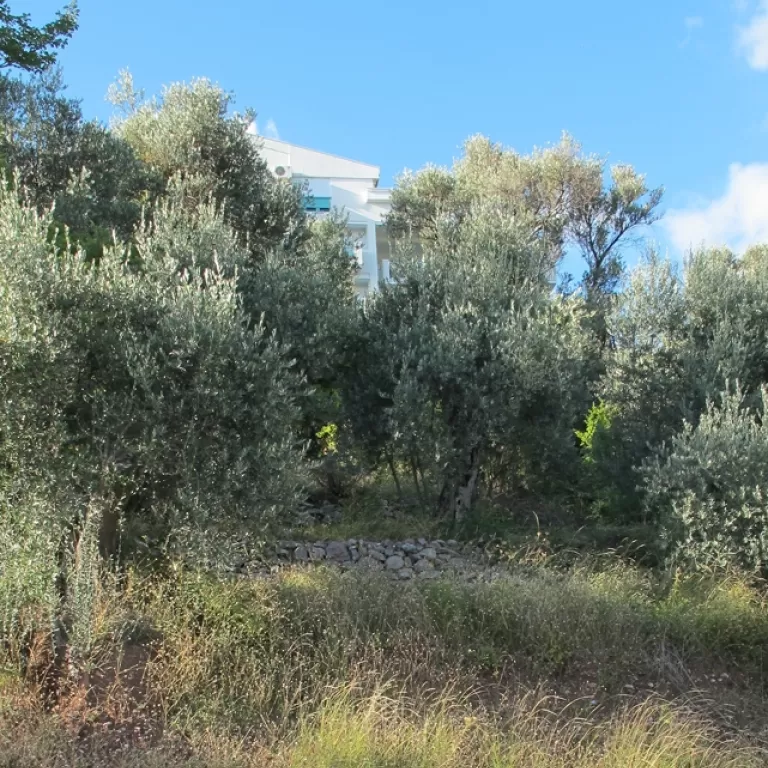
point(30, 48)
point(727, 306)
point(644, 392)
point(307, 300)
point(560, 191)
point(297, 280)
point(676, 342)
point(470, 366)
point(90, 178)
point(189, 132)
point(711, 487)
point(138, 401)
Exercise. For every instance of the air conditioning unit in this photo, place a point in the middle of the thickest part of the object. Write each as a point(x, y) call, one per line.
point(283, 171)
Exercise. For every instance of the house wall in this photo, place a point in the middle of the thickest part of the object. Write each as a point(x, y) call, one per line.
point(353, 190)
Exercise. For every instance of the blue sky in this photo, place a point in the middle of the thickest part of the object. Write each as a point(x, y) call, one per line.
point(677, 88)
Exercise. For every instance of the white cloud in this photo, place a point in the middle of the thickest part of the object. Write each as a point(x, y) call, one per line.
point(753, 39)
point(738, 219)
point(270, 130)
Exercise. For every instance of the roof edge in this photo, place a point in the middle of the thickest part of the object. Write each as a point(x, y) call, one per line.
point(320, 152)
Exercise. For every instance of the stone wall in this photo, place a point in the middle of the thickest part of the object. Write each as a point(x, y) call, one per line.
point(405, 560)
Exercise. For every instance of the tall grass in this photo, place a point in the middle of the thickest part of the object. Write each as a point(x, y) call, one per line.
point(293, 667)
point(379, 731)
point(252, 653)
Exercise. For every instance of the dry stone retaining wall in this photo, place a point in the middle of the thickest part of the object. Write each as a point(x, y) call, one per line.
point(405, 560)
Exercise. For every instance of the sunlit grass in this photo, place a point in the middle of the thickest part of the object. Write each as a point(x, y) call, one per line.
point(381, 732)
point(252, 653)
point(317, 667)
point(387, 729)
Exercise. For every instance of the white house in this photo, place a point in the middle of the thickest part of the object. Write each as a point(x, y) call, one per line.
point(350, 186)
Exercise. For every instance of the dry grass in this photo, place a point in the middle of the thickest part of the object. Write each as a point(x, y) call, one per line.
point(323, 669)
point(381, 732)
point(250, 653)
point(376, 730)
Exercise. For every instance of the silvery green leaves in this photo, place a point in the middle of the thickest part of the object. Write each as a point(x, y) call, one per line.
point(472, 357)
point(148, 389)
point(711, 487)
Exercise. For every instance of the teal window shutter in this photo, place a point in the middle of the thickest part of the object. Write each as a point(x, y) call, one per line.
point(317, 203)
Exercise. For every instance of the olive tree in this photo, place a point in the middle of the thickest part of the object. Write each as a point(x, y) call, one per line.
point(89, 177)
point(306, 300)
point(189, 132)
point(138, 400)
point(710, 488)
point(676, 342)
point(643, 395)
point(476, 356)
point(559, 190)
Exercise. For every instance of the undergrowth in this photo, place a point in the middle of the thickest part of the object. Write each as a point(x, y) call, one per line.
point(251, 653)
point(377, 730)
point(297, 665)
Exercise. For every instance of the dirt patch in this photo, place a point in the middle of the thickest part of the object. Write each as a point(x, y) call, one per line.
point(114, 700)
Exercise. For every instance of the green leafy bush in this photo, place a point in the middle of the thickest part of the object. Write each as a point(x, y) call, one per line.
point(138, 401)
point(711, 488)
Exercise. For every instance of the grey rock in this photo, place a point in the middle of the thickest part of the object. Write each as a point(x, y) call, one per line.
point(409, 548)
point(452, 543)
point(316, 553)
point(405, 574)
point(376, 555)
point(428, 553)
point(354, 554)
point(288, 544)
point(389, 550)
point(337, 550)
point(395, 563)
point(429, 575)
point(422, 566)
point(300, 554)
point(421, 542)
point(371, 564)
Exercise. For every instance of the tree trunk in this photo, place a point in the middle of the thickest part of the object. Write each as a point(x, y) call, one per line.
point(109, 533)
point(457, 497)
point(415, 476)
point(392, 469)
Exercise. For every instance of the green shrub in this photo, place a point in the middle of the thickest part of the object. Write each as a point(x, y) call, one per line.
point(710, 489)
point(136, 399)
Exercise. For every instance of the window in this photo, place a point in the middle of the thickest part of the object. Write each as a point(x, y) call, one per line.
point(317, 204)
